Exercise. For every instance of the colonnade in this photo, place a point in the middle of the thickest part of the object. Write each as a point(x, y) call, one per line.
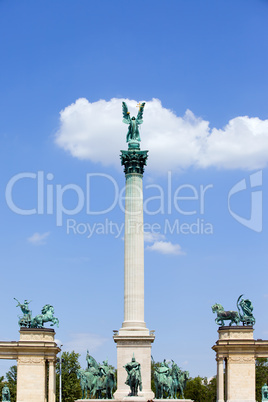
point(236, 353)
point(35, 353)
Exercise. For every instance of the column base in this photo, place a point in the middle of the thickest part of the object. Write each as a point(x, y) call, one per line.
point(142, 396)
point(135, 399)
point(137, 343)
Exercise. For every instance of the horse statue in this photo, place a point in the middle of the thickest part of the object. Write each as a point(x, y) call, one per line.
point(175, 384)
point(183, 378)
point(158, 386)
point(163, 380)
point(82, 376)
point(107, 373)
point(169, 381)
point(100, 378)
point(134, 382)
point(47, 315)
point(134, 376)
point(92, 372)
point(222, 315)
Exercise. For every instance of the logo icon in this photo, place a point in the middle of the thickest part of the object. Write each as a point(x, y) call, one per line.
point(255, 220)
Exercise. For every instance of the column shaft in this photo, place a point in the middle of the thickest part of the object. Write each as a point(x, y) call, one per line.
point(220, 380)
point(134, 253)
point(52, 382)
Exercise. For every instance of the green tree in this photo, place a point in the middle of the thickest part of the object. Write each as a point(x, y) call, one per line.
point(2, 383)
point(196, 389)
point(11, 377)
point(70, 384)
point(261, 376)
point(212, 390)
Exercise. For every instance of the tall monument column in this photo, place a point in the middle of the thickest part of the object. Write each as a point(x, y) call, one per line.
point(134, 240)
point(134, 338)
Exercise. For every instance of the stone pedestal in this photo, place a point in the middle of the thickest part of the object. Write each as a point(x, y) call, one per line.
point(140, 345)
point(236, 350)
point(36, 357)
point(134, 399)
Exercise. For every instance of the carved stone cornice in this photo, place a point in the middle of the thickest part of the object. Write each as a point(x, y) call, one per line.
point(133, 340)
point(134, 161)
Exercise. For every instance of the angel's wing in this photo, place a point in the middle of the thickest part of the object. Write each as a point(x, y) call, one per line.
point(140, 113)
point(126, 113)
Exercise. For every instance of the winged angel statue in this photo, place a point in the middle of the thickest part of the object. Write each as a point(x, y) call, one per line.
point(133, 128)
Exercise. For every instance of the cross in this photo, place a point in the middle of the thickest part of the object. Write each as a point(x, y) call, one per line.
point(138, 105)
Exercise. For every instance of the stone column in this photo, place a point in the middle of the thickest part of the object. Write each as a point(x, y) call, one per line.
point(134, 254)
point(52, 381)
point(134, 337)
point(31, 376)
point(134, 161)
point(220, 380)
point(36, 347)
point(241, 378)
point(237, 346)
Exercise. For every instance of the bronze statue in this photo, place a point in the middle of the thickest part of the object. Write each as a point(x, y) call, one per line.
point(133, 376)
point(98, 379)
point(246, 316)
point(133, 128)
point(264, 392)
point(223, 315)
point(27, 314)
point(170, 382)
point(27, 321)
point(5, 394)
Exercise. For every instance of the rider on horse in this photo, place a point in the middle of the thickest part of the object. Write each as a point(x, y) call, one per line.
point(133, 368)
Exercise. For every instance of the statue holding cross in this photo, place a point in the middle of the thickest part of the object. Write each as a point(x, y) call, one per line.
point(133, 128)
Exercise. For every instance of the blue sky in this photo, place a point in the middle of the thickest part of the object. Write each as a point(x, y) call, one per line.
point(201, 67)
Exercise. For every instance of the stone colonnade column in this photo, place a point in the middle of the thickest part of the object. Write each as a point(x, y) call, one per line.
point(35, 348)
point(52, 381)
point(238, 348)
point(31, 379)
point(220, 380)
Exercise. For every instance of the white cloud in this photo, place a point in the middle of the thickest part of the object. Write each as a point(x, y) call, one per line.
point(81, 342)
point(160, 245)
point(150, 237)
point(38, 239)
point(166, 247)
point(95, 131)
point(58, 342)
